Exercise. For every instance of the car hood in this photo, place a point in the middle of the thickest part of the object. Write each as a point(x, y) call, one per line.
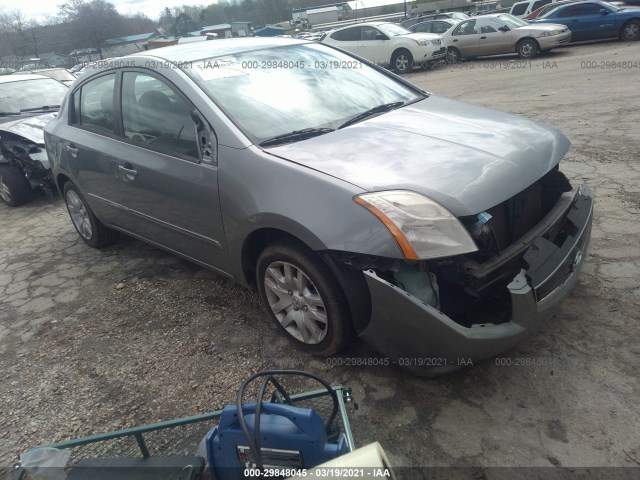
point(467, 158)
point(31, 127)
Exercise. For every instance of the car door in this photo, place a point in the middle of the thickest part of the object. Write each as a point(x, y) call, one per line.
point(466, 38)
point(157, 178)
point(492, 40)
point(374, 45)
point(586, 21)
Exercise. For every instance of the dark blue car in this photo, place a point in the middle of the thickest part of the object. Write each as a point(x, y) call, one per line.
point(594, 19)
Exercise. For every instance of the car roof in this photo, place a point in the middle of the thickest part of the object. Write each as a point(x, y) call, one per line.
point(452, 21)
point(366, 24)
point(189, 52)
point(20, 77)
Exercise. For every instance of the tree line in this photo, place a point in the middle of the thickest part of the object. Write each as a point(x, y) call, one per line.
point(81, 24)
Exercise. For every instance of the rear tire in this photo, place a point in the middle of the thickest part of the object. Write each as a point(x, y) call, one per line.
point(90, 229)
point(630, 31)
point(402, 61)
point(14, 187)
point(304, 298)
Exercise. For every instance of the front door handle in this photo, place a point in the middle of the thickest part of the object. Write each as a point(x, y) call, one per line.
point(456, 40)
point(128, 174)
point(73, 151)
point(482, 38)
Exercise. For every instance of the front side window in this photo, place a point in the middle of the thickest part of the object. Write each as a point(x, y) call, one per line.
point(155, 116)
point(94, 104)
point(519, 8)
point(369, 33)
point(539, 3)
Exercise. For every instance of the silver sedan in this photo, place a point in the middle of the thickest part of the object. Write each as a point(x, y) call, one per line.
point(502, 33)
point(355, 203)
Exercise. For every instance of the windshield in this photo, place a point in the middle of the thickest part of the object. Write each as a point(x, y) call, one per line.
point(30, 94)
point(392, 29)
point(512, 22)
point(277, 91)
point(59, 74)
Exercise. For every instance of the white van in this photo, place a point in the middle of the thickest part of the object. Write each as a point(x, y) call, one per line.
point(522, 9)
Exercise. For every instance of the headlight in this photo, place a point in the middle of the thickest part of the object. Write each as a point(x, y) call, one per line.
point(422, 42)
point(423, 228)
point(551, 33)
point(436, 42)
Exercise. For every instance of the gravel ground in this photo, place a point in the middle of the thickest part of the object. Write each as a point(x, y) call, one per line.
point(98, 340)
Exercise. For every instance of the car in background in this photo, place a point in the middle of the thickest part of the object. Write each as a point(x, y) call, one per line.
point(546, 9)
point(434, 26)
point(353, 201)
point(592, 20)
point(522, 9)
point(6, 71)
point(28, 103)
point(388, 44)
point(502, 33)
point(60, 74)
point(434, 16)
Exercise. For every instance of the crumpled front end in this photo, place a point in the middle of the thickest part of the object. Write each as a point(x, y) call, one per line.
point(479, 307)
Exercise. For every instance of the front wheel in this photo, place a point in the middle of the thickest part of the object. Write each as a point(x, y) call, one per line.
point(304, 298)
point(402, 61)
point(630, 31)
point(453, 55)
point(14, 187)
point(90, 229)
point(527, 48)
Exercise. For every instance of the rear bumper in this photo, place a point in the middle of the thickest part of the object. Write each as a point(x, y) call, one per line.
point(426, 341)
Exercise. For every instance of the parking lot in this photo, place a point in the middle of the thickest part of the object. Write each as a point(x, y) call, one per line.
point(95, 340)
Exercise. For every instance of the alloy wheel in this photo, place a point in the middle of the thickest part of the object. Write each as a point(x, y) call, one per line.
point(79, 215)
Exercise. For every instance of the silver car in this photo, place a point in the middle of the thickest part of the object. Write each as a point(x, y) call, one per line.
point(357, 204)
point(501, 33)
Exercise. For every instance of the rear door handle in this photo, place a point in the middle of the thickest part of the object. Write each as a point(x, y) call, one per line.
point(482, 38)
point(73, 151)
point(127, 173)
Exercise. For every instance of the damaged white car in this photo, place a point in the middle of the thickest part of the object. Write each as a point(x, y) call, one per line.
point(27, 104)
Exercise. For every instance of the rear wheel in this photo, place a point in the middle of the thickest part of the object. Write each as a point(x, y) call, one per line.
point(630, 31)
point(402, 61)
point(90, 229)
point(304, 298)
point(14, 187)
point(527, 48)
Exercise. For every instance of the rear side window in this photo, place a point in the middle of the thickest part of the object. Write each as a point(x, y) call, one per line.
point(93, 104)
point(519, 8)
point(347, 35)
point(539, 3)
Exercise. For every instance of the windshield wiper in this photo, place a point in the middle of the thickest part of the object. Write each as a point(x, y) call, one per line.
point(37, 109)
point(295, 136)
point(373, 111)
point(6, 114)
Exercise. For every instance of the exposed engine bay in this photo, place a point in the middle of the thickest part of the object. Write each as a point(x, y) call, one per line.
point(471, 289)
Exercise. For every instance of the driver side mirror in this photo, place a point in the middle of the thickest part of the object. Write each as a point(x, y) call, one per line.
point(381, 36)
point(504, 29)
point(207, 140)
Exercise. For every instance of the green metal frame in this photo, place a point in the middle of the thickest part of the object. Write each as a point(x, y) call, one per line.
point(344, 397)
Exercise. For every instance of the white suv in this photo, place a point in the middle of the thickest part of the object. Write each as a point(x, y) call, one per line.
point(522, 9)
point(388, 44)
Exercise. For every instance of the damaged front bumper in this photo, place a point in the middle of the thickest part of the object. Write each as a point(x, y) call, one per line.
point(420, 338)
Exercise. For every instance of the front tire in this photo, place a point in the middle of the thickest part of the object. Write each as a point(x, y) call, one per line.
point(527, 48)
point(304, 298)
point(402, 61)
point(630, 31)
point(14, 187)
point(453, 55)
point(90, 229)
